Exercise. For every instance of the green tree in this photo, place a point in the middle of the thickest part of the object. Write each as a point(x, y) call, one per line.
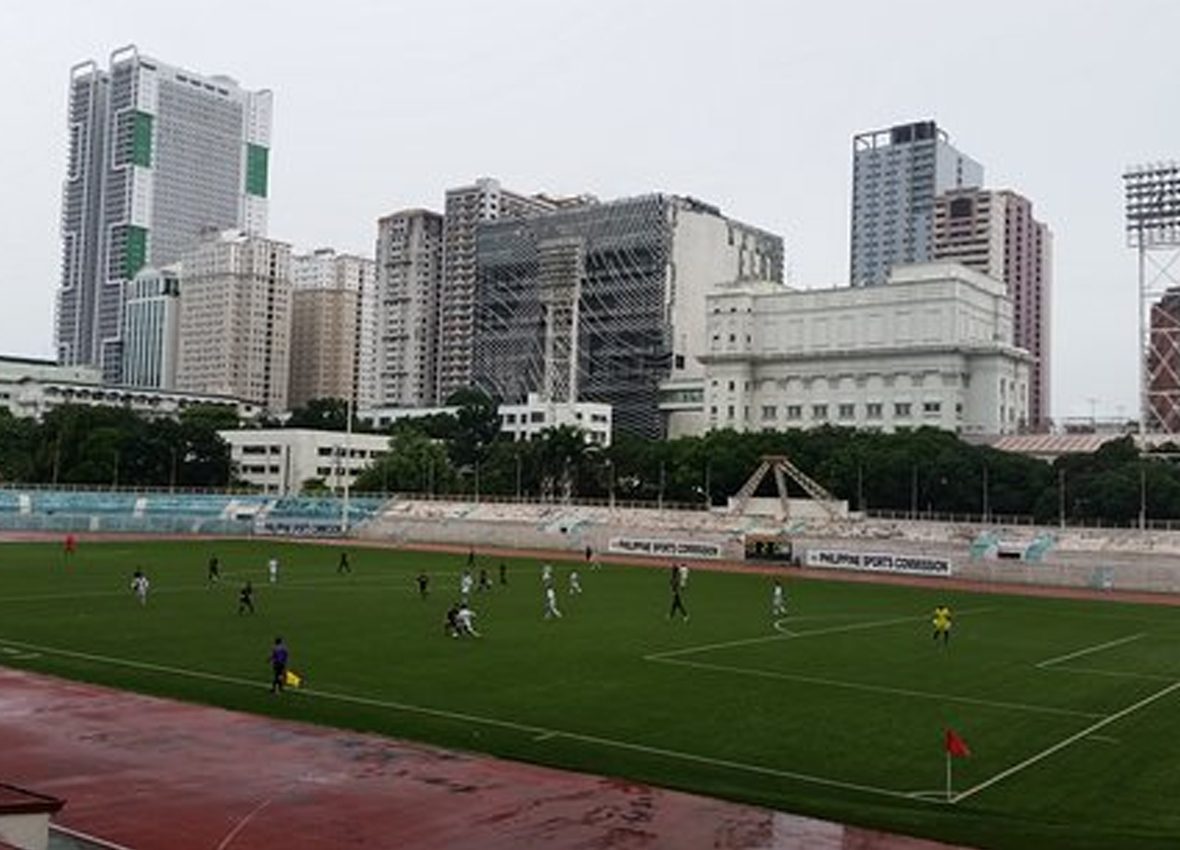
point(414, 464)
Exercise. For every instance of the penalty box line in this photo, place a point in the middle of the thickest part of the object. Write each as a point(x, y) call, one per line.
point(1090, 650)
point(537, 732)
point(785, 635)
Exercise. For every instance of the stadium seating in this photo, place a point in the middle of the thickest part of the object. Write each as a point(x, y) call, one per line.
point(9, 502)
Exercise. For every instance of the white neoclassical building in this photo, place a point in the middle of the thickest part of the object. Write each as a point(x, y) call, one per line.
point(933, 347)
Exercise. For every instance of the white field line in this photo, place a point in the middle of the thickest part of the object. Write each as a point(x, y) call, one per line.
point(1110, 644)
point(88, 839)
point(1061, 745)
point(852, 627)
point(529, 729)
point(1114, 674)
point(880, 689)
point(242, 822)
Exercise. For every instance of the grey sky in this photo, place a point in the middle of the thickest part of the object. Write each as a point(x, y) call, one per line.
point(750, 105)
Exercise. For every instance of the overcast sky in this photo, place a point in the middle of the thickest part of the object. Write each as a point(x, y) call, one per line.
point(749, 105)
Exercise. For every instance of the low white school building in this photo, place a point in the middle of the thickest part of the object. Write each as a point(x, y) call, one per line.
point(281, 460)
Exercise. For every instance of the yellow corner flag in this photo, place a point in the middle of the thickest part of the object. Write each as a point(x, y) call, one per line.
point(292, 680)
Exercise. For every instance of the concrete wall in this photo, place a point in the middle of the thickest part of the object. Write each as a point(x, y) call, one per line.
point(28, 832)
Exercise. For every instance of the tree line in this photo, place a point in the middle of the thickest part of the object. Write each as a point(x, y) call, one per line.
point(922, 471)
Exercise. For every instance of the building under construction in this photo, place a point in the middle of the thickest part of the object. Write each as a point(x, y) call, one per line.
point(603, 302)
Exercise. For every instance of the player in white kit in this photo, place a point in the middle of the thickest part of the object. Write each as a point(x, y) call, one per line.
point(140, 586)
point(465, 621)
point(778, 600)
point(575, 583)
point(551, 603)
point(272, 567)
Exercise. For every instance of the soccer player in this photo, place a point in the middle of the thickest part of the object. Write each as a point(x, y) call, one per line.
point(465, 621)
point(451, 623)
point(942, 624)
point(343, 566)
point(503, 574)
point(485, 581)
point(466, 582)
point(246, 599)
point(471, 557)
point(575, 583)
point(71, 545)
point(778, 600)
point(677, 601)
point(214, 570)
point(140, 586)
point(272, 567)
point(278, 666)
point(546, 574)
point(423, 585)
point(683, 574)
point(551, 603)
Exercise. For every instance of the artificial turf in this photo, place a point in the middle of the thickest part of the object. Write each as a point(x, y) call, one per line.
point(1070, 707)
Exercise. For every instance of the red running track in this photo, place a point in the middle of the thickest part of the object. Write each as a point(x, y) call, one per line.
point(155, 774)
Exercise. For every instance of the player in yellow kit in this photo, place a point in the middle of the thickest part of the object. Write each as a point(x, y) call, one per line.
point(942, 624)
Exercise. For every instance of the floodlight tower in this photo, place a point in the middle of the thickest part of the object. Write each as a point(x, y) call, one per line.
point(1153, 229)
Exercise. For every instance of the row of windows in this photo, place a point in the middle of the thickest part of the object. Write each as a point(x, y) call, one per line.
point(844, 411)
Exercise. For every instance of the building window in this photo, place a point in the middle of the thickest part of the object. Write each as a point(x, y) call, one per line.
point(846, 411)
point(732, 386)
point(794, 411)
point(931, 407)
point(901, 409)
point(873, 410)
point(768, 411)
point(819, 411)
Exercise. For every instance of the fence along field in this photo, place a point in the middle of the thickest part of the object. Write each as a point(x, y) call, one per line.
point(837, 710)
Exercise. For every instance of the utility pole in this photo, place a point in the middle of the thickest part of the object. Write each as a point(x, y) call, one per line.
point(347, 459)
point(1142, 496)
point(1061, 498)
point(914, 492)
point(986, 504)
point(660, 503)
point(860, 486)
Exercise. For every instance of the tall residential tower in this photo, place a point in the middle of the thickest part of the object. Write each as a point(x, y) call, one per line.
point(156, 154)
point(994, 232)
point(896, 174)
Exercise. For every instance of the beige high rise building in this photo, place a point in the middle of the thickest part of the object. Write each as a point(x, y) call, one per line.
point(235, 318)
point(332, 328)
point(994, 232)
point(409, 273)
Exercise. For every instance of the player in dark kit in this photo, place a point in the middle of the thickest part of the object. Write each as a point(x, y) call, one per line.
point(677, 602)
point(343, 566)
point(423, 585)
point(278, 666)
point(503, 574)
point(214, 570)
point(485, 581)
point(451, 624)
point(246, 599)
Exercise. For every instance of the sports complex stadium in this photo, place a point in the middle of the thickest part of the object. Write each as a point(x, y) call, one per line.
point(1044, 718)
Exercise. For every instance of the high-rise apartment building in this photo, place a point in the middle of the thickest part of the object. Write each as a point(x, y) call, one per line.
point(156, 154)
point(466, 208)
point(409, 276)
point(235, 318)
point(606, 302)
point(151, 315)
point(896, 175)
point(994, 232)
point(332, 328)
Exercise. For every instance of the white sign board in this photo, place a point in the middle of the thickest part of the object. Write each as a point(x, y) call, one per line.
point(878, 562)
point(664, 548)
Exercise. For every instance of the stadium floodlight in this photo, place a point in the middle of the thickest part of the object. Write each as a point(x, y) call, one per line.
point(1153, 229)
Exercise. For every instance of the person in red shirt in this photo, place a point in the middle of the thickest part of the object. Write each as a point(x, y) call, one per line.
point(71, 544)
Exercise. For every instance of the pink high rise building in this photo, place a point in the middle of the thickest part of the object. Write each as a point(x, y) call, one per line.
point(994, 232)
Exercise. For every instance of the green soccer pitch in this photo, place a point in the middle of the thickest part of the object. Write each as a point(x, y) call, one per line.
point(1071, 709)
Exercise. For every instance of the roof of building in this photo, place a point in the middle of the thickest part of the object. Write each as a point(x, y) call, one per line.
point(1052, 445)
point(18, 801)
point(27, 361)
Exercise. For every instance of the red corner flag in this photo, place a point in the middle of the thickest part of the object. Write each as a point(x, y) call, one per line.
point(956, 746)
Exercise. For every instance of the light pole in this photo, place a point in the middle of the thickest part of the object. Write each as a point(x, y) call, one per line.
point(660, 502)
point(610, 470)
point(986, 504)
point(347, 461)
point(1061, 498)
point(1142, 496)
point(708, 485)
point(860, 486)
point(914, 492)
point(518, 475)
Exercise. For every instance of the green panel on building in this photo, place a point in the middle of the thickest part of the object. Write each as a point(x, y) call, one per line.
point(256, 170)
point(135, 252)
point(141, 139)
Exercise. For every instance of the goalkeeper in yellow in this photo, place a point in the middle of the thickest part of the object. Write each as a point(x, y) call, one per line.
point(942, 624)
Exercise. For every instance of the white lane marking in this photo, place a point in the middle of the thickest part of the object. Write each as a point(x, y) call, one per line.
point(1106, 739)
point(852, 627)
point(241, 824)
point(880, 689)
point(530, 729)
point(1061, 745)
point(1110, 644)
